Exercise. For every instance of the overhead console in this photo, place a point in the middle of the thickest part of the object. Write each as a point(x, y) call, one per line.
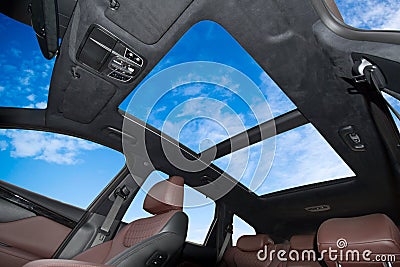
point(109, 56)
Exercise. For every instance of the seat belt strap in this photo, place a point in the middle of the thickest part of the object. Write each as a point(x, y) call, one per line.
point(229, 232)
point(120, 195)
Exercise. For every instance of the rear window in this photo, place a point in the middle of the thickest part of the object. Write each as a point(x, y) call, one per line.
point(240, 228)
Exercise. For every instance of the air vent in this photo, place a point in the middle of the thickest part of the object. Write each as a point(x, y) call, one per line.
point(319, 208)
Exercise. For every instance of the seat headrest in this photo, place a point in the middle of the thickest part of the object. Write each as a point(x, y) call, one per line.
point(165, 196)
point(302, 242)
point(253, 242)
point(375, 232)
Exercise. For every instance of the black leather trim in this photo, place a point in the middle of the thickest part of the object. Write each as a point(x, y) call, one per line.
point(71, 212)
point(35, 208)
point(11, 212)
point(178, 224)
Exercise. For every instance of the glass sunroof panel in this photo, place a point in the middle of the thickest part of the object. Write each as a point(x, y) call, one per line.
point(206, 89)
point(302, 157)
point(25, 73)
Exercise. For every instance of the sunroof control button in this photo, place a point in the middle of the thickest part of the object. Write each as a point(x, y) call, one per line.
point(133, 57)
point(352, 138)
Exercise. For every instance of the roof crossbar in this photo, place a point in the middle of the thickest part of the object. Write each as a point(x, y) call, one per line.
point(263, 131)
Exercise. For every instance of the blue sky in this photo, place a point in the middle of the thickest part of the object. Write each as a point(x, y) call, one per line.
point(25, 72)
point(52, 164)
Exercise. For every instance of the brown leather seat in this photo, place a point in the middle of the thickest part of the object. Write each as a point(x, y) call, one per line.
point(140, 241)
point(302, 253)
point(245, 253)
point(375, 233)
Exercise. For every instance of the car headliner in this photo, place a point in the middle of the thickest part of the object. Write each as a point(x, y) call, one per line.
point(304, 48)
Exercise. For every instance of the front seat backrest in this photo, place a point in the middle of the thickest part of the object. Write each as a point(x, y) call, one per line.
point(157, 238)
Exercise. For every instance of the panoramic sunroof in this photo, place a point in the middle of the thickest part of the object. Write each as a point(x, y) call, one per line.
point(207, 89)
point(26, 74)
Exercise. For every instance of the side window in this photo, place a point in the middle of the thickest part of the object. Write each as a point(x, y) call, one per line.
point(240, 228)
point(200, 216)
point(57, 166)
point(25, 73)
point(370, 15)
point(395, 103)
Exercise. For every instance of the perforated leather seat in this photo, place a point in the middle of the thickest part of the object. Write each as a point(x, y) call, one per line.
point(375, 233)
point(161, 235)
point(245, 252)
point(299, 245)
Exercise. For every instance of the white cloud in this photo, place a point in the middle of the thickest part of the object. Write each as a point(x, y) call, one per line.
point(29, 71)
point(394, 22)
point(371, 14)
point(202, 118)
point(53, 148)
point(24, 80)
point(303, 157)
point(226, 81)
point(41, 105)
point(46, 70)
point(16, 52)
point(3, 145)
point(29, 106)
point(2, 88)
point(31, 97)
point(276, 98)
point(193, 90)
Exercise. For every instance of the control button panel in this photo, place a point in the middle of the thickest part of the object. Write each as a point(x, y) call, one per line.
point(123, 69)
point(157, 259)
point(110, 56)
point(134, 57)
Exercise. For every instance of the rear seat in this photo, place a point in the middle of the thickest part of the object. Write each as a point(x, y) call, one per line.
point(375, 233)
point(301, 243)
point(245, 253)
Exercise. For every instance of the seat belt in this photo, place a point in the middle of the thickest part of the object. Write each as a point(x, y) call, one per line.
point(229, 232)
point(371, 74)
point(121, 193)
point(373, 78)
